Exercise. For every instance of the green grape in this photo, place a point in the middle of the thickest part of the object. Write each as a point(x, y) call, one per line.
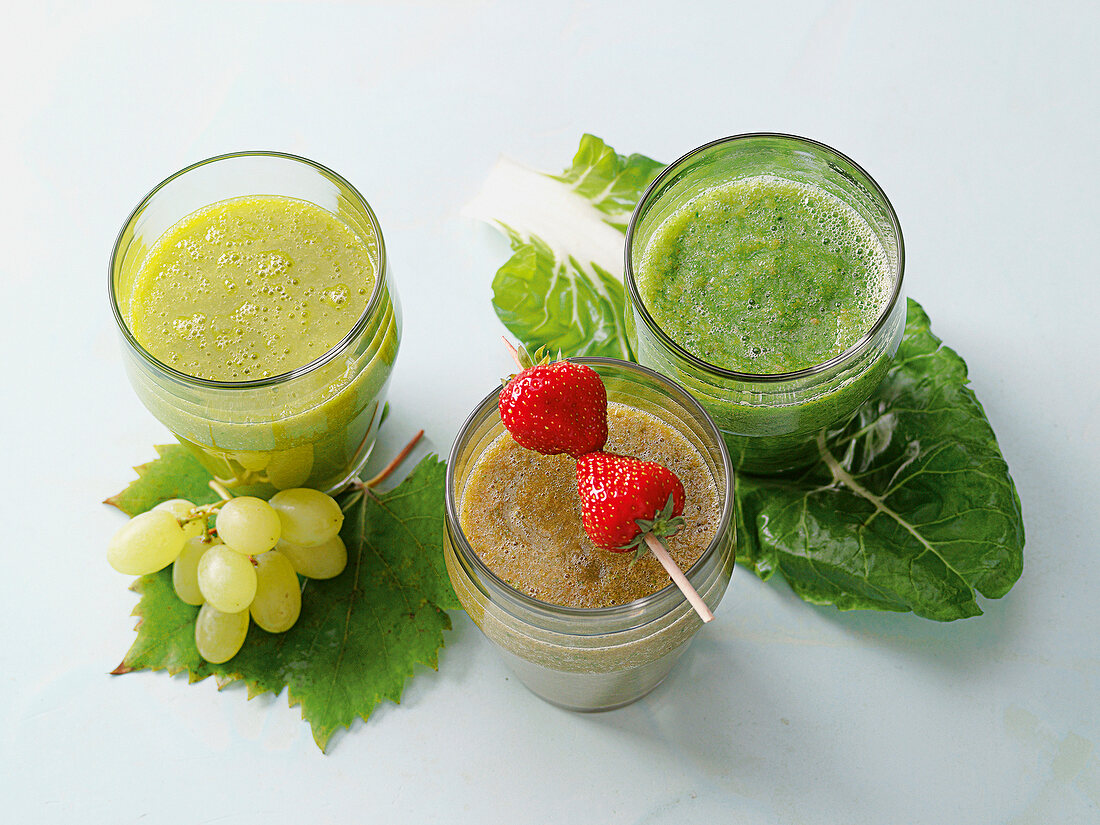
point(196, 528)
point(321, 562)
point(278, 593)
point(308, 517)
point(146, 543)
point(249, 525)
point(290, 468)
point(252, 460)
point(227, 579)
point(181, 508)
point(219, 635)
point(185, 570)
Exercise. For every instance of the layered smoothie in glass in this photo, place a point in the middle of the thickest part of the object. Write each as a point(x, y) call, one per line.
point(258, 318)
point(579, 625)
point(764, 273)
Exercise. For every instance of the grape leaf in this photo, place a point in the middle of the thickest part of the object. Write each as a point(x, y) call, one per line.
point(175, 474)
point(912, 509)
point(360, 635)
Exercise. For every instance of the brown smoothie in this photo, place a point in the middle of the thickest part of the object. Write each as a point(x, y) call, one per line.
point(521, 514)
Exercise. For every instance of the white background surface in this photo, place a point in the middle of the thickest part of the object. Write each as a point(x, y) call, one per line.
point(980, 121)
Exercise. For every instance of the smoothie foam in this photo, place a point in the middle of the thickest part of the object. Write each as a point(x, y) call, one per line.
point(251, 288)
point(764, 275)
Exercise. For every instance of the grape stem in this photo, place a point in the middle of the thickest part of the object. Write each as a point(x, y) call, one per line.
point(393, 465)
point(205, 510)
point(359, 486)
point(220, 489)
point(677, 576)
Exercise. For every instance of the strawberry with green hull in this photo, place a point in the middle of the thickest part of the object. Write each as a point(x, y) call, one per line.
point(555, 408)
point(623, 498)
point(632, 505)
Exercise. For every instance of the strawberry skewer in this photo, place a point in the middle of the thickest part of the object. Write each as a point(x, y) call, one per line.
point(513, 351)
point(627, 504)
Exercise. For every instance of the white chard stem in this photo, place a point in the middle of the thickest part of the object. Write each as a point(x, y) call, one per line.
point(531, 203)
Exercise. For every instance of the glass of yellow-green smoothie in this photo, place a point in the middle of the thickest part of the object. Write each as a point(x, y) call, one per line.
point(582, 627)
point(764, 273)
point(259, 319)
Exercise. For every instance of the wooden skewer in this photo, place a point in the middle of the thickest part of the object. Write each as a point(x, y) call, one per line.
point(677, 576)
point(513, 350)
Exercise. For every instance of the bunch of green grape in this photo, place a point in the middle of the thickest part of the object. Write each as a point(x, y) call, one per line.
point(247, 567)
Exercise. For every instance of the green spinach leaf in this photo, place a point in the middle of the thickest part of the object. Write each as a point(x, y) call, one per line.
point(911, 507)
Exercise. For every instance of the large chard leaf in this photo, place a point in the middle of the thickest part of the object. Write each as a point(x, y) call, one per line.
point(911, 508)
point(562, 288)
point(610, 182)
point(360, 635)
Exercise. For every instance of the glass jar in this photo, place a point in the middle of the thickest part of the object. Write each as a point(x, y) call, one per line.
point(777, 422)
point(314, 426)
point(591, 659)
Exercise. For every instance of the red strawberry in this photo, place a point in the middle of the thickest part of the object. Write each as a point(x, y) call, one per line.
point(556, 408)
point(623, 498)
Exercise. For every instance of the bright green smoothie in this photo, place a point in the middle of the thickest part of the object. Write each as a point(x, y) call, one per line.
point(254, 288)
point(251, 288)
point(764, 275)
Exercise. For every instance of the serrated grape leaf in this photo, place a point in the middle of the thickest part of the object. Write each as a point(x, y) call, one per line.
point(176, 473)
point(360, 635)
point(562, 288)
point(912, 508)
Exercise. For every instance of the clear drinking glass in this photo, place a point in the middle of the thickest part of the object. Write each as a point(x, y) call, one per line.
point(314, 426)
point(771, 423)
point(592, 658)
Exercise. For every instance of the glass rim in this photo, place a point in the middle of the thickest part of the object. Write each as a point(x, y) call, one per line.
point(618, 611)
point(765, 378)
point(342, 345)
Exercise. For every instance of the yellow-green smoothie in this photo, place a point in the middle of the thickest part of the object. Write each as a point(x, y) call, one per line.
point(278, 317)
point(251, 288)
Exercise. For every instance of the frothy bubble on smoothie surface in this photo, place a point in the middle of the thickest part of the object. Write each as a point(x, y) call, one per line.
point(764, 275)
point(251, 288)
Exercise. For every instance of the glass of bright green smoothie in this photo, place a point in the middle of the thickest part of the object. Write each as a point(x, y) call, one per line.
point(764, 274)
point(258, 317)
